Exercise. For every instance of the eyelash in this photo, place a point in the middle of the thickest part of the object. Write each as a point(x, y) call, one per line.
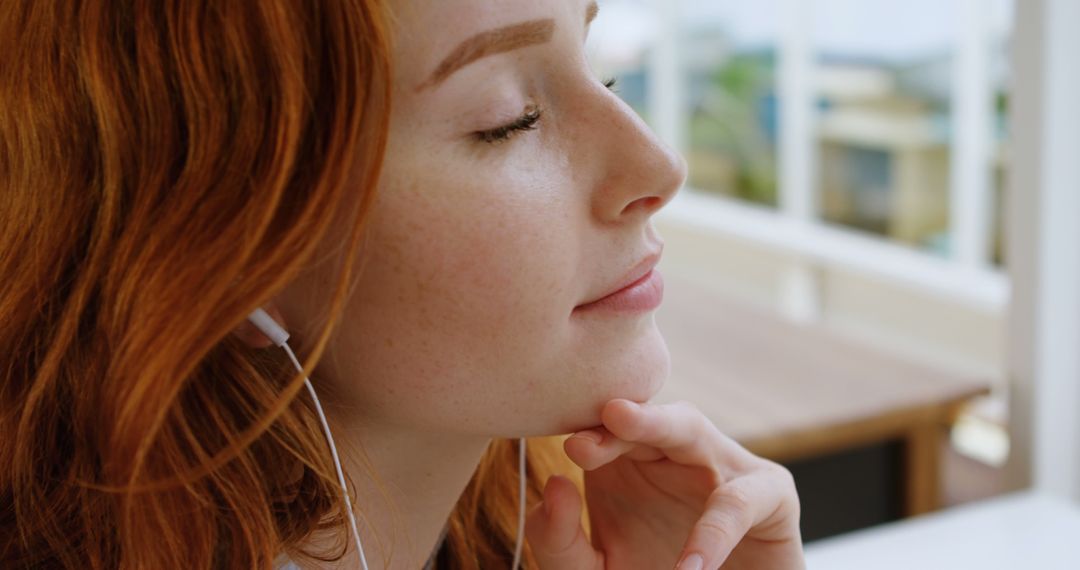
point(525, 122)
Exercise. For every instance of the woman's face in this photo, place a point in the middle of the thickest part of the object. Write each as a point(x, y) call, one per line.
point(479, 251)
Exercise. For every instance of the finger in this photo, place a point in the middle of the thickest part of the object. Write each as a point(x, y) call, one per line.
point(736, 509)
point(680, 430)
point(594, 448)
point(554, 530)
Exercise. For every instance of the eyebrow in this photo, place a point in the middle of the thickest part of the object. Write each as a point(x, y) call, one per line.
point(495, 41)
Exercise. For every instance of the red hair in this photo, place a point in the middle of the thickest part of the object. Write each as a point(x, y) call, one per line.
point(166, 168)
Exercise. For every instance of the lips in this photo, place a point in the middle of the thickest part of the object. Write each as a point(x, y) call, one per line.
point(640, 288)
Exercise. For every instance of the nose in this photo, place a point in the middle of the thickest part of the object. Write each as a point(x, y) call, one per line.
point(637, 173)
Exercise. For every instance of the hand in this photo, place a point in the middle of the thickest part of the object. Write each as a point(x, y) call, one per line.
point(665, 487)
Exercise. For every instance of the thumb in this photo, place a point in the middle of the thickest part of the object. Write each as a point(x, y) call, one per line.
point(554, 530)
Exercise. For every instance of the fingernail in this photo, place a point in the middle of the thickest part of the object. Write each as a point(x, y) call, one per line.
point(590, 436)
point(692, 562)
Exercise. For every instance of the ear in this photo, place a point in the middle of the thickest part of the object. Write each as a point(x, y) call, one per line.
point(250, 335)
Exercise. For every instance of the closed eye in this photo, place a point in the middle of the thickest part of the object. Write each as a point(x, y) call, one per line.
point(526, 122)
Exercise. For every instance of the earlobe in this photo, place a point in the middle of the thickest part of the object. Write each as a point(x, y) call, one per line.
point(250, 335)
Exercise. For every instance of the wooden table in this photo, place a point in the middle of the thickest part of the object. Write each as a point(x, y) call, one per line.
point(789, 392)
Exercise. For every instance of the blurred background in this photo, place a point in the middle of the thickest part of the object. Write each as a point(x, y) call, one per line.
point(872, 272)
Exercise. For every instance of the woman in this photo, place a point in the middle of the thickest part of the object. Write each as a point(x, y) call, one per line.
point(436, 200)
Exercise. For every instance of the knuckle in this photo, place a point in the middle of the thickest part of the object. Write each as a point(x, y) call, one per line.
point(737, 499)
point(784, 474)
point(792, 493)
point(721, 526)
point(773, 469)
point(786, 481)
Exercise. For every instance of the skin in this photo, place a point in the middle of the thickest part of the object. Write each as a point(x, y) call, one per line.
point(462, 326)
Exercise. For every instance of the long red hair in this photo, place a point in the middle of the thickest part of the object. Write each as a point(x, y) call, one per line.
point(165, 168)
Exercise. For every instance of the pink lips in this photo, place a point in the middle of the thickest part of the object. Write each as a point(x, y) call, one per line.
point(644, 293)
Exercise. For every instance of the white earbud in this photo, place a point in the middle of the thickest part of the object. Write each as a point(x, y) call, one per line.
point(269, 327)
point(279, 336)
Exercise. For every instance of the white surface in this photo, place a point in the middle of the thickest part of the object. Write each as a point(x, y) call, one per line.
point(1043, 257)
point(1022, 530)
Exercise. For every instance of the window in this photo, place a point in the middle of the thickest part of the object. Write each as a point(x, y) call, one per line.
point(888, 77)
point(859, 126)
point(728, 52)
point(619, 46)
point(884, 92)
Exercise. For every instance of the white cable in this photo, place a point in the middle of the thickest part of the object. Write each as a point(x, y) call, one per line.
point(345, 492)
point(521, 503)
point(279, 336)
point(333, 452)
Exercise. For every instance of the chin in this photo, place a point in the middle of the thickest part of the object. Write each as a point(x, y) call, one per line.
point(637, 373)
point(644, 373)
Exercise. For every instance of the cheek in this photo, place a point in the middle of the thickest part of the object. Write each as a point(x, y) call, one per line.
point(465, 293)
point(487, 260)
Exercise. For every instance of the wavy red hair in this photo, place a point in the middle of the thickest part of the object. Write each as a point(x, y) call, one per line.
point(166, 167)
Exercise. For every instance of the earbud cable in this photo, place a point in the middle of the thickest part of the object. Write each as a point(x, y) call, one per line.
point(334, 453)
point(279, 336)
point(521, 504)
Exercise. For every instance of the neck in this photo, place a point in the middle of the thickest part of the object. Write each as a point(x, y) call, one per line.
point(418, 478)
